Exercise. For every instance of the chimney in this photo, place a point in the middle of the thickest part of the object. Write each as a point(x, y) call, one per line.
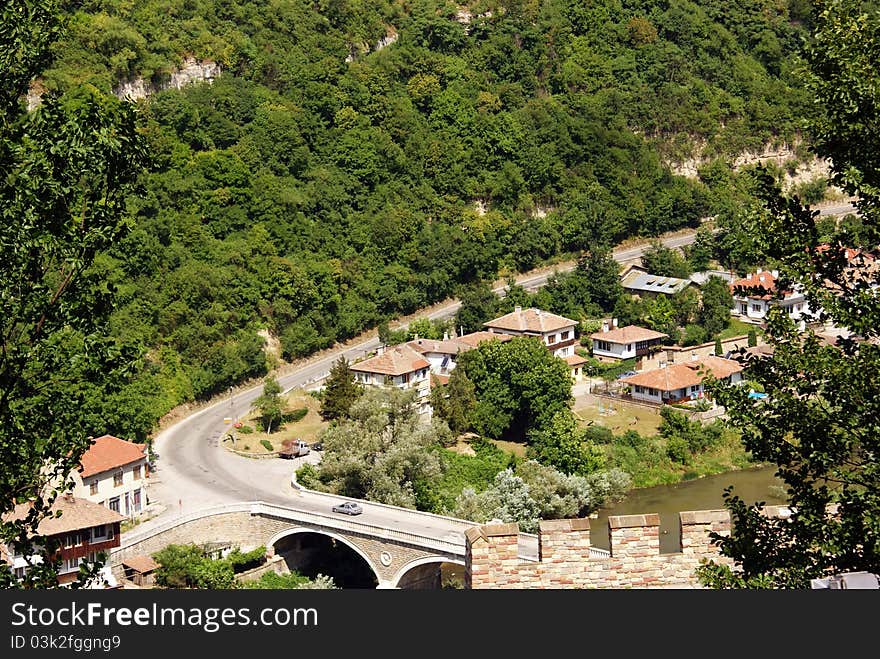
point(445, 335)
point(759, 271)
point(694, 356)
point(614, 322)
point(380, 350)
point(604, 325)
point(517, 309)
point(68, 496)
point(775, 273)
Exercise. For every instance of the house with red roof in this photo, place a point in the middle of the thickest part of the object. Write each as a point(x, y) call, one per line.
point(683, 381)
point(398, 366)
point(113, 472)
point(759, 292)
point(618, 343)
point(81, 530)
point(556, 332)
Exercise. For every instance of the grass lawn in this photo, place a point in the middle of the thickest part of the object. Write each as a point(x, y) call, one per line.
point(306, 428)
point(517, 448)
point(618, 416)
point(737, 327)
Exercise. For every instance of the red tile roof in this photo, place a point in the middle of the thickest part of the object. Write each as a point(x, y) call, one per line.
point(142, 564)
point(476, 338)
point(764, 280)
point(395, 360)
point(76, 514)
point(628, 334)
point(531, 320)
point(108, 452)
point(574, 360)
point(685, 374)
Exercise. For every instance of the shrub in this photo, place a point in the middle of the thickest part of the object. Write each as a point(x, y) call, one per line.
point(243, 561)
point(694, 335)
point(307, 476)
point(267, 445)
point(677, 450)
point(297, 414)
point(246, 430)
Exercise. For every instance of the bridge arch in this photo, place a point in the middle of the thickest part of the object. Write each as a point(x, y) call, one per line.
point(348, 543)
point(403, 571)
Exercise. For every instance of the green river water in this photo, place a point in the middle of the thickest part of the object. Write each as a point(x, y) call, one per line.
point(751, 485)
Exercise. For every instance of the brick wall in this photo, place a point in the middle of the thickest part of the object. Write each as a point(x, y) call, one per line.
point(565, 561)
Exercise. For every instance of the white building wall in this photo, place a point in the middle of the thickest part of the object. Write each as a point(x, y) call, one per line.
point(107, 490)
point(618, 350)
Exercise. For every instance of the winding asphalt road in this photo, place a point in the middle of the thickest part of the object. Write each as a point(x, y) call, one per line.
point(194, 471)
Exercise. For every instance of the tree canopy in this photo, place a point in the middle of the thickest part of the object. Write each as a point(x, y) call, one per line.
point(67, 171)
point(818, 423)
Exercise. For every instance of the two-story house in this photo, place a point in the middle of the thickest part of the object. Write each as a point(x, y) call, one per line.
point(683, 381)
point(113, 472)
point(555, 332)
point(443, 353)
point(398, 366)
point(618, 343)
point(82, 531)
point(755, 304)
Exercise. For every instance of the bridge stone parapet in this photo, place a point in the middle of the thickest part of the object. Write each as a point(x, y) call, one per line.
point(566, 558)
point(389, 552)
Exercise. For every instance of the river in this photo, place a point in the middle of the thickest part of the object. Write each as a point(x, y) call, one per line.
point(751, 485)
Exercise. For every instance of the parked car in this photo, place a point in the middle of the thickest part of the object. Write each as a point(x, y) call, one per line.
point(317, 446)
point(626, 374)
point(348, 508)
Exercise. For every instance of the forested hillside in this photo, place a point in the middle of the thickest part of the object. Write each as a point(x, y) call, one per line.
point(320, 186)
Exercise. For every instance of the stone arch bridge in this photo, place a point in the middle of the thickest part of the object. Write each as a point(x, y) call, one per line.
point(391, 553)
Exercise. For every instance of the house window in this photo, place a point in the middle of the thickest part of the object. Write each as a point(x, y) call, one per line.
point(102, 532)
point(603, 345)
point(72, 540)
point(113, 504)
point(70, 565)
point(136, 473)
point(551, 339)
point(695, 388)
point(136, 501)
point(19, 573)
point(93, 487)
point(117, 479)
point(756, 308)
point(563, 336)
point(629, 347)
point(743, 308)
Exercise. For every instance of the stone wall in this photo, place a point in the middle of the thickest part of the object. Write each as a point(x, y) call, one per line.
point(564, 560)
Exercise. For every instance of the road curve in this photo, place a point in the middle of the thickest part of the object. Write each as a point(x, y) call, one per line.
point(194, 471)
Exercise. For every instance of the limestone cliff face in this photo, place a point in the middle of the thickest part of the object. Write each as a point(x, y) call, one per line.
point(191, 72)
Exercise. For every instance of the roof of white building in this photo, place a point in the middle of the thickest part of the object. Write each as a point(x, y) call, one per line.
point(530, 320)
point(394, 360)
point(628, 334)
point(108, 452)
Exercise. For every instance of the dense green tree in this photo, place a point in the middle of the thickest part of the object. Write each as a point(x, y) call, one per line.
point(519, 386)
point(665, 262)
point(454, 401)
point(382, 451)
point(601, 274)
point(478, 305)
point(818, 423)
point(67, 168)
point(563, 445)
point(753, 337)
point(340, 391)
point(717, 301)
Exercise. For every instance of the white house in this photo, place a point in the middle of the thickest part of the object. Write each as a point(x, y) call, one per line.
point(397, 366)
point(443, 353)
point(555, 332)
point(113, 472)
point(683, 381)
point(618, 343)
point(756, 304)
